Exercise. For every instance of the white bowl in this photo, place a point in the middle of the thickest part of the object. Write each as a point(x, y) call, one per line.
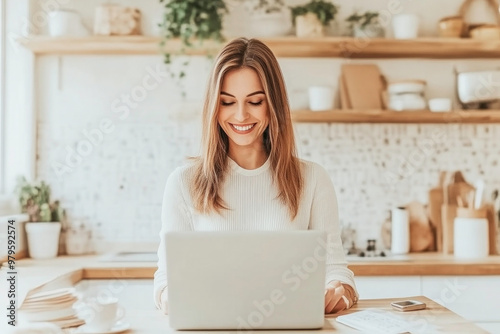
point(440, 104)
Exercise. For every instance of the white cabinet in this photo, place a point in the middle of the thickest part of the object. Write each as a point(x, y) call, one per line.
point(371, 287)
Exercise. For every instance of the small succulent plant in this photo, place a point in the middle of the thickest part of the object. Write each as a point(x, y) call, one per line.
point(34, 199)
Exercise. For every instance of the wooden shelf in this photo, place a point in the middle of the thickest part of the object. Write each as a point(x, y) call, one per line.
point(290, 46)
point(126, 45)
point(386, 116)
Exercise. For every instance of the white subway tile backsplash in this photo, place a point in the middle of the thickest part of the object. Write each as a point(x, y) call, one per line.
point(118, 187)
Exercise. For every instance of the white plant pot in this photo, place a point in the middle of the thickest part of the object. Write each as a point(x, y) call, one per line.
point(320, 98)
point(43, 239)
point(309, 25)
point(270, 25)
point(405, 26)
point(370, 31)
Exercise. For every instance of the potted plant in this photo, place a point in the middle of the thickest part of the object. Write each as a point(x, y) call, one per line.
point(268, 18)
point(311, 19)
point(365, 25)
point(194, 22)
point(45, 219)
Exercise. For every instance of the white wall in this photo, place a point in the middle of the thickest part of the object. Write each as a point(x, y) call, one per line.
point(117, 186)
point(20, 128)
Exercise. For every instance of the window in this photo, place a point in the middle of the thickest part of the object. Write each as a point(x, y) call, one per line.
point(2, 96)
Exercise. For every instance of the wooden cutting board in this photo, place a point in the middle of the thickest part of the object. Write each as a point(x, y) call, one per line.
point(448, 212)
point(492, 228)
point(435, 204)
point(363, 86)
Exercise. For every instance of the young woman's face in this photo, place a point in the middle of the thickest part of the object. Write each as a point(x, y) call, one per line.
point(243, 111)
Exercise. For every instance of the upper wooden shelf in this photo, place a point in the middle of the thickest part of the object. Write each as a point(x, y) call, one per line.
point(344, 47)
point(387, 116)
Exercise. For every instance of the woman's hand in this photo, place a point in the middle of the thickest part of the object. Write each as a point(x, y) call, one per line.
point(333, 297)
point(164, 300)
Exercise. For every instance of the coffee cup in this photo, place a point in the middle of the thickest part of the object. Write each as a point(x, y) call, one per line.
point(101, 315)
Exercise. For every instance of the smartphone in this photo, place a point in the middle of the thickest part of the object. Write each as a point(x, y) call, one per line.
point(408, 305)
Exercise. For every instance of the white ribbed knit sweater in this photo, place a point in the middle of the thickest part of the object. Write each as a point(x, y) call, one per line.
point(253, 199)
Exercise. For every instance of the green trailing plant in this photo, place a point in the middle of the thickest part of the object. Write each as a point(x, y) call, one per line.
point(324, 10)
point(193, 22)
point(264, 6)
point(363, 20)
point(34, 199)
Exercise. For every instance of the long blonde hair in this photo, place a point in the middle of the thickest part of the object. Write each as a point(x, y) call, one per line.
point(279, 141)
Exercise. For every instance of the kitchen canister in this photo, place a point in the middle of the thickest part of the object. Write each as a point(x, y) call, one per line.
point(470, 234)
point(320, 98)
point(400, 234)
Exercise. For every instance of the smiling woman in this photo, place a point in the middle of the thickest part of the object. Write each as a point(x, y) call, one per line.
point(248, 176)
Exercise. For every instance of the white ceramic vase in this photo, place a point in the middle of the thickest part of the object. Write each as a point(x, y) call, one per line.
point(43, 239)
point(309, 25)
point(405, 26)
point(270, 24)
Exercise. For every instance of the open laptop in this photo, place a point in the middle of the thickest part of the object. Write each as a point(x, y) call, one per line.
point(246, 280)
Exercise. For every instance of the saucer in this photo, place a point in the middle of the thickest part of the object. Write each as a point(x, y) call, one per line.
point(118, 327)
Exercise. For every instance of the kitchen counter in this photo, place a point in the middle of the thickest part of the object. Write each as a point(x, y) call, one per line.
point(33, 273)
point(65, 271)
point(434, 319)
point(423, 264)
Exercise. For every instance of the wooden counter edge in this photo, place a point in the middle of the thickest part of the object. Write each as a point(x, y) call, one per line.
point(118, 272)
point(368, 269)
point(425, 269)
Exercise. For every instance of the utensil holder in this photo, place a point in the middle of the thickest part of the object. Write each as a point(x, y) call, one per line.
point(471, 239)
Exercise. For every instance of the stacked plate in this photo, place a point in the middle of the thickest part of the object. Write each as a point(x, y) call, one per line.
point(54, 306)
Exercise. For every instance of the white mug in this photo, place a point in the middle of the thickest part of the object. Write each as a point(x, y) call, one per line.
point(320, 98)
point(101, 315)
point(405, 26)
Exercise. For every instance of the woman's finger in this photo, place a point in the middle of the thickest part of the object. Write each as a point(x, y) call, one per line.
point(332, 298)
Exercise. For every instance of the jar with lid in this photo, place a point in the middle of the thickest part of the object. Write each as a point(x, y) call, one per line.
point(407, 95)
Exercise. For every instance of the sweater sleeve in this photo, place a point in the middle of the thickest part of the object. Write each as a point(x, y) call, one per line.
point(324, 216)
point(175, 216)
